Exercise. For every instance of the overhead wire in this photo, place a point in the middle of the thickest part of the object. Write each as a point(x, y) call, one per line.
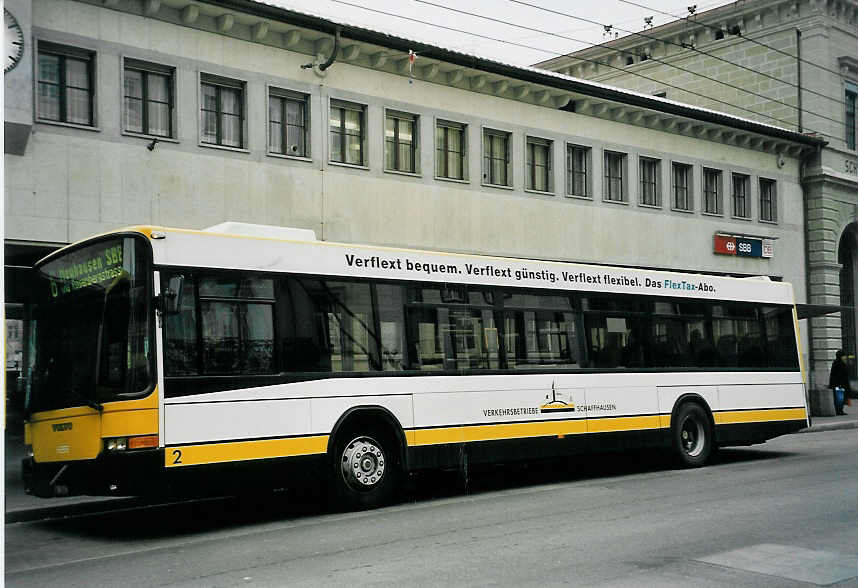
point(668, 64)
point(751, 39)
point(550, 52)
point(693, 48)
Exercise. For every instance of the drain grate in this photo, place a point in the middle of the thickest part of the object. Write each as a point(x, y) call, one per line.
point(793, 563)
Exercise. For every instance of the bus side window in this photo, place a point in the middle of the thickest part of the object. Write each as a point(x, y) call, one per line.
point(451, 329)
point(237, 324)
point(327, 326)
point(780, 337)
point(615, 341)
point(738, 335)
point(180, 332)
point(303, 335)
point(351, 326)
point(678, 335)
point(537, 338)
point(391, 321)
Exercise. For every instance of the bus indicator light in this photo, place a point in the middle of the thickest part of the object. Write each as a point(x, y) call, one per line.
point(143, 442)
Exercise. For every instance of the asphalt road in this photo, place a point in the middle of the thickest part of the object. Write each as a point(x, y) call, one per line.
point(780, 514)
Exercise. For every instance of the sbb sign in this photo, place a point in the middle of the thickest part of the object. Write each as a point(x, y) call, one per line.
point(743, 247)
point(725, 245)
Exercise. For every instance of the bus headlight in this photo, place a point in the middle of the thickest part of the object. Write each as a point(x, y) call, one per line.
point(116, 444)
point(131, 443)
point(28, 450)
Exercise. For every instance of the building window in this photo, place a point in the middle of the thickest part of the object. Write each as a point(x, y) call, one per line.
point(148, 105)
point(768, 200)
point(451, 150)
point(348, 131)
point(682, 198)
point(578, 170)
point(712, 191)
point(496, 149)
point(615, 176)
point(65, 85)
point(851, 93)
point(400, 142)
point(649, 173)
point(540, 170)
point(222, 111)
point(288, 116)
point(741, 184)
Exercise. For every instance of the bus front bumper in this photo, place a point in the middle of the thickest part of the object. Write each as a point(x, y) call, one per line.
point(131, 473)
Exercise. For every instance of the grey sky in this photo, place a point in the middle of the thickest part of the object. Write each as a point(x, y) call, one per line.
point(523, 46)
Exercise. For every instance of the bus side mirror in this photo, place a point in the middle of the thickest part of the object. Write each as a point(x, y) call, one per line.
point(173, 294)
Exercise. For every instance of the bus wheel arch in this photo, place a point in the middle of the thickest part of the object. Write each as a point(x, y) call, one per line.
point(366, 458)
point(692, 431)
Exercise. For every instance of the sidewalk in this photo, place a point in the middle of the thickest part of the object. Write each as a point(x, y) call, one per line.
point(834, 423)
point(21, 507)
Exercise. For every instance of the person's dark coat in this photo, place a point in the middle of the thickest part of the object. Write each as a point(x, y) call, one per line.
point(839, 376)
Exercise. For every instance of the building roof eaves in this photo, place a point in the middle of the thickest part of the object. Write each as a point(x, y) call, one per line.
point(524, 73)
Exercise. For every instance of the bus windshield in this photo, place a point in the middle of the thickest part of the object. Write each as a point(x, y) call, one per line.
point(91, 337)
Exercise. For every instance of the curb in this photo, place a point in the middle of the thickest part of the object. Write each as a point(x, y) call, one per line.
point(830, 427)
point(38, 513)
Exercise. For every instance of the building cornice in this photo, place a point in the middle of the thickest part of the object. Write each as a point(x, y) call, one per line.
point(257, 22)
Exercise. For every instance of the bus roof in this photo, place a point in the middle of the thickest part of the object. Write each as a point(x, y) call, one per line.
point(263, 248)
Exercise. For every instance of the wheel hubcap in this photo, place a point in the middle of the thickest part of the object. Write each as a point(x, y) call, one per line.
point(363, 463)
point(692, 437)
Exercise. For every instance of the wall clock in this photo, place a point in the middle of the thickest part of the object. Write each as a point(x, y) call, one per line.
point(13, 38)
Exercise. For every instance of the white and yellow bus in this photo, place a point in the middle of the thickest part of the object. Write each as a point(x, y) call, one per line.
point(178, 360)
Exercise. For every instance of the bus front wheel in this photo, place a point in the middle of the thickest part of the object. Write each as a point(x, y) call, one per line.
point(693, 439)
point(365, 469)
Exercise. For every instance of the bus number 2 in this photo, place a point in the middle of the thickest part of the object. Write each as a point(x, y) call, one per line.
point(177, 455)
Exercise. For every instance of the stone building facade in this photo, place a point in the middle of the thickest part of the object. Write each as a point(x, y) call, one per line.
point(790, 63)
point(191, 112)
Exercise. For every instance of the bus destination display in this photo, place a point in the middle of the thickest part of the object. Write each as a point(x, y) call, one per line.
point(95, 265)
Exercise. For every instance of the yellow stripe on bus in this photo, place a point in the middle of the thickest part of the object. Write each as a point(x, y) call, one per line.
point(467, 433)
point(470, 433)
point(244, 450)
point(318, 444)
point(623, 424)
point(758, 416)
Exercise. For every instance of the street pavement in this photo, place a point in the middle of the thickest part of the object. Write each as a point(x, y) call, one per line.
point(21, 507)
point(776, 515)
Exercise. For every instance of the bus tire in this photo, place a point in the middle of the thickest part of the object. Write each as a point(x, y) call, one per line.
point(693, 438)
point(365, 468)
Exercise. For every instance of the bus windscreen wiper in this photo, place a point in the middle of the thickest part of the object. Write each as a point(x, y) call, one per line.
point(88, 401)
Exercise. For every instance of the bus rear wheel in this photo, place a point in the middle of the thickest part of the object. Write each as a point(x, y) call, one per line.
point(693, 439)
point(365, 469)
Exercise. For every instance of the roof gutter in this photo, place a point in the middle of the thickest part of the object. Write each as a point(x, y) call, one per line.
point(551, 80)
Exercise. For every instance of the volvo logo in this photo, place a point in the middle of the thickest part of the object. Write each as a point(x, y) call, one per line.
point(61, 427)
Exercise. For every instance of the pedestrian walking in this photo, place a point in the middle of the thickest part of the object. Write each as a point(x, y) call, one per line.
point(838, 381)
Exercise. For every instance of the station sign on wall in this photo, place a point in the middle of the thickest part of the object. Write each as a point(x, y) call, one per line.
point(743, 246)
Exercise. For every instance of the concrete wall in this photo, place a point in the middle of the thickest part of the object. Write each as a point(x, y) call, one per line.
point(753, 75)
point(73, 182)
point(680, 73)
